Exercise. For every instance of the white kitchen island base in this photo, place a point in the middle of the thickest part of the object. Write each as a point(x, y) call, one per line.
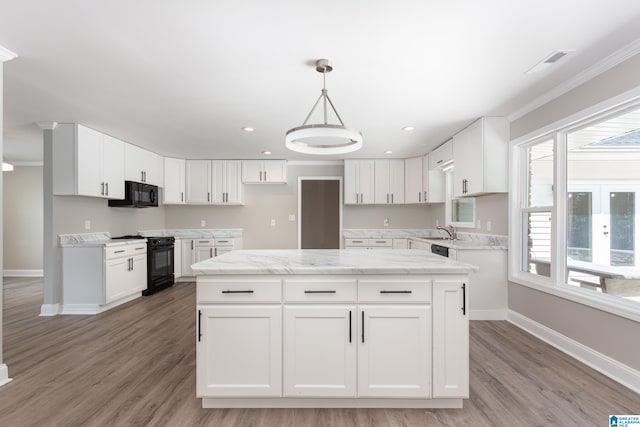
point(354, 330)
point(358, 402)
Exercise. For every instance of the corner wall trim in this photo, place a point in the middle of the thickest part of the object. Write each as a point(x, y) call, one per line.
point(4, 374)
point(49, 310)
point(23, 273)
point(602, 363)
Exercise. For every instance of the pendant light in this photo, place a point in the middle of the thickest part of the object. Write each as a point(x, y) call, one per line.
point(323, 138)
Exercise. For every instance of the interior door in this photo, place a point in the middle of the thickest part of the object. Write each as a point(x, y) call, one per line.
point(320, 214)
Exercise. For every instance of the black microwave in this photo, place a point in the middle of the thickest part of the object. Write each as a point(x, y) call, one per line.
point(137, 195)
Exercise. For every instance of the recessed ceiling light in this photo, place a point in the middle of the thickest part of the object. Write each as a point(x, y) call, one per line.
point(549, 60)
point(388, 152)
point(266, 152)
point(408, 128)
point(248, 129)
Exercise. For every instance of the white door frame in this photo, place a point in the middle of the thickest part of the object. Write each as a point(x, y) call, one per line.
point(317, 178)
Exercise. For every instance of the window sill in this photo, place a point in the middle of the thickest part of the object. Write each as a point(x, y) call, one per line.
point(610, 304)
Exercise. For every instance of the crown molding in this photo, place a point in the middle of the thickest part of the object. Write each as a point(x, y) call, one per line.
point(6, 54)
point(593, 71)
point(315, 162)
point(47, 125)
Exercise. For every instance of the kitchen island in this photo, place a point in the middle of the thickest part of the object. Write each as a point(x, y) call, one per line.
point(332, 328)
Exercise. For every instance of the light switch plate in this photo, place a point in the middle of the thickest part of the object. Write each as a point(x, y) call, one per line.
point(488, 225)
point(203, 223)
point(292, 217)
point(87, 224)
point(386, 222)
point(273, 222)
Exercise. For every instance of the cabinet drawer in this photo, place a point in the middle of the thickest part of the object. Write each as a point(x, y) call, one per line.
point(320, 290)
point(387, 243)
point(394, 291)
point(249, 291)
point(224, 242)
point(203, 242)
point(112, 252)
point(356, 242)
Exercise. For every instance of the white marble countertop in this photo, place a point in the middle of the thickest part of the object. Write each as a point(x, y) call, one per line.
point(84, 240)
point(331, 261)
point(465, 241)
point(195, 233)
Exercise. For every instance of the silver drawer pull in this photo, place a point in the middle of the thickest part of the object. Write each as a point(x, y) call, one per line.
point(223, 241)
point(356, 241)
point(319, 292)
point(396, 292)
point(381, 241)
point(140, 249)
point(119, 252)
point(238, 292)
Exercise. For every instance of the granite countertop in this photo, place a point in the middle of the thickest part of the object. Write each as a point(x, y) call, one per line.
point(331, 261)
point(195, 233)
point(464, 241)
point(84, 240)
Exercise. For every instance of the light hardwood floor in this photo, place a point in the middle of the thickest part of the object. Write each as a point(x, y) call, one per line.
point(135, 365)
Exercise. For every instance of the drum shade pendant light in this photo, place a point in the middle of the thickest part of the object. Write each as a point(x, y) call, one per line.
point(323, 138)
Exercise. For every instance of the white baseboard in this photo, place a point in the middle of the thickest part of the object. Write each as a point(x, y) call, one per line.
point(602, 363)
point(4, 374)
point(23, 273)
point(49, 309)
point(90, 309)
point(493, 314)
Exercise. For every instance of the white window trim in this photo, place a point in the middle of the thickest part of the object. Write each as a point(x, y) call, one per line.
point(555, 285)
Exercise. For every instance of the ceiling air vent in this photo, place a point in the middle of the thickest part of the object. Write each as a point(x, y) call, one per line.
point(549, 60)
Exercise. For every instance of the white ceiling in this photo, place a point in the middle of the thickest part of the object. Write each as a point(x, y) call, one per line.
point(183, 77)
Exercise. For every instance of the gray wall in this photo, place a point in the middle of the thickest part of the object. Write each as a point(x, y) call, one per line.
point(607, 333)
point(493, 207)
point(23, 218)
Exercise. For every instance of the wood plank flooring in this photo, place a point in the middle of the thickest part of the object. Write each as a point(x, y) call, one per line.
point(135, 365)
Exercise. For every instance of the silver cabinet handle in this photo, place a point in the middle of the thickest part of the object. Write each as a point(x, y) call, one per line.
point(420, 196)
point(439, 161)
point(391, 198)
point(387, 197)
point(102, 191)
point(260, 175)
point(182, 196)
point(211, 252)
point(208, 196)
point(425, 196)
point(118, 252)
point(106, 185)
point(192, 245)
point(265, 175)
point(142, 176)
point(361, 198)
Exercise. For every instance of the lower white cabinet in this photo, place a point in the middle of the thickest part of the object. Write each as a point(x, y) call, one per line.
point(196, 250)
point(125, 276)
point(320, 351)
point(188, 246)
point(450, 339)
point(239, 351)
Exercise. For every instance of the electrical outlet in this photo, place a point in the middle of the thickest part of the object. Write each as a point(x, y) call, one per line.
point(488, 225)
point(203, 223)
point(87, 224)
point(479, 224)
point(437, 223)
point(273, 222)
point(386, 222)
point(292, 217)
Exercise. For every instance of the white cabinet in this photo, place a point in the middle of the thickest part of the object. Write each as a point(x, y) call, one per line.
point(177, 259)
point(204, 249)
point(198, 182)
point(196, 250)
point(174, 181)
point(264, 171)
point(239, 351)
point(442, 156)
point(226, 182)
point(368, 243)
point(87, 163)
point(480, 154)
point(389, 181)
point(143, 166)
point(400, 244)
point(320, 351)
point(116, 271)
point(423, 185)
point(125, 271)
point(359, 181)
point(394, 357)
point(188, 247)
point(450, 339)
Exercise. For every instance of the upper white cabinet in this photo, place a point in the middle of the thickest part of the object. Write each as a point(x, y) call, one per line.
point(143, 166)
point(423, 185)
point(264, 171)
point(198, 182)
point(226, 182)
point(441, 156)
point(174, 181)
point(87, 163)
point(480, 154)
point(359, 181)
point(389, 181)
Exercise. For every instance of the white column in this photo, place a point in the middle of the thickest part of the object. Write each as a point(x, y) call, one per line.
point(5, 55)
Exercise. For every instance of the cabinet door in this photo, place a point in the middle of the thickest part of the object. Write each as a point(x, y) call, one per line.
point(239, 351)
point(450, 339)
point(89, 162)
point(233, 184)
point(173, 181)
point(475, 155)
point(187, 257)
point(218, 184)
point(413, 180)
point(177, 259)
point(351, 177)
point(134, 163)
point(198, 181)
point(320, 351)
point(434, 183)
point(460, 147)
point(366, 178)
point(275, 171)
point(154, 169)
point(394, 358)
point(115, 279)
point(202, 253)
point(137, 275)
point(251, 171)
point(382, 192)
point(113, 167)
point(396, 181)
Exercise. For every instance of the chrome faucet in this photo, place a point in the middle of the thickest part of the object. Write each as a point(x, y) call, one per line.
point(450, 231)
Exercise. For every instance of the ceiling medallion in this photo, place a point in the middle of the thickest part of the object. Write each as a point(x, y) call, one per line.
point(323, 138)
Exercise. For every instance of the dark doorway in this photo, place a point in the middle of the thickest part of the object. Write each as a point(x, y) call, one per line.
point(320, 214)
